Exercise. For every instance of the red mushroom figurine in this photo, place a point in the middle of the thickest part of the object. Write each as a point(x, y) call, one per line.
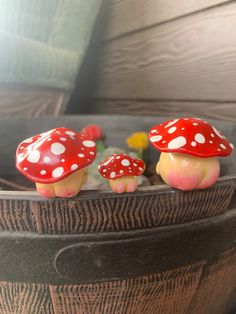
point(57, 161)
point(122, 170)
point(189, 150)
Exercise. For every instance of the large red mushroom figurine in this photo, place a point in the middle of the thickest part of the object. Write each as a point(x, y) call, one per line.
point(189, 150)
point(121, 170)
point(56, 161)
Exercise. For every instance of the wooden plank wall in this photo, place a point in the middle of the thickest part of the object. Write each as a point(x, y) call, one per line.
point(165, 56)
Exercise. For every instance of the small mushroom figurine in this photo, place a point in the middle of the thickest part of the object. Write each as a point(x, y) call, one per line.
point(189, 150)
point(57, 161)
point(121, 170)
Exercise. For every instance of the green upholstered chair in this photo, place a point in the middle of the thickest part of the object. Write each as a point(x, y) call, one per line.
point(42, 45)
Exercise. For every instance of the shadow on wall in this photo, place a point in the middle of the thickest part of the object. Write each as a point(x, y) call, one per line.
point(80, 102)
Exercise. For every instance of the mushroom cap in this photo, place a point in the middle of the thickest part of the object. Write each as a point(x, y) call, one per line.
point(190, 136)
point(51, 156)
point(120, 165)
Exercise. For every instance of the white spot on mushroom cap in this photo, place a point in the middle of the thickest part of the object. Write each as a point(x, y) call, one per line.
point(25, 169)
point(177, 142)
point(112, 175)
point(104, 170)
point(200, 138)
point(193, 144)
point(46, 159)
point(81, 155)
point(22, 147)
point(63, 160)
point(155, 138)
point(140, 168)
point(34, 156)
point(74, 167)
point(29, 140)
point(91, 153)
point(172, 129)
point(57, 148)
point(43, 172)
point(223, 146)
point(195, 123)
point(63, 139)
point(153, 131)
point(182, 128)
point(121, 171)
point(57, 172)
point(117, 157)
point(171, 123)
point(70, 133)
point(217, 132)
point(210, 142)
point(88, 143)
point(20, 157)
point(212, 135)
point(231, 145)
point(125, 162)
point(135, 164)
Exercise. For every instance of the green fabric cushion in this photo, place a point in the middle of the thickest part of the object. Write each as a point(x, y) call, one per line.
point(43, 42)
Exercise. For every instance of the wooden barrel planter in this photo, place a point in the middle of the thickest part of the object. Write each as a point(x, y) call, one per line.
point(157, 250)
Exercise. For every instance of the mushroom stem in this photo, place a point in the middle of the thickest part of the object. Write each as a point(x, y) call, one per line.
point(124, 184)
point(187, 172)
point(68, 187)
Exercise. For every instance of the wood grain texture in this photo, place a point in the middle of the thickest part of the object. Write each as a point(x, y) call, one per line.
point(191, 59)
point(22, 101)
point(203, 287)
point(24, 298)
point(140, 210)
point(16, 215)
point(167, 292)
point(126, 16)
point(218, 280)
point(213, 110)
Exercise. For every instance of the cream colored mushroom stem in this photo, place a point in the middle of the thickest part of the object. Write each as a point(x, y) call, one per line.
point(187, 172)
point(68, 187)
point(124, 184)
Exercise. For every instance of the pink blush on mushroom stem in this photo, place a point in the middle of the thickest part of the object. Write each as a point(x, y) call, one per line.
point(210, 180)
point(67, 193)
point(124, 184)
point(132, 186)
point(185, 183)
point(119, 188)
point(186, 172)
point(46, 193)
